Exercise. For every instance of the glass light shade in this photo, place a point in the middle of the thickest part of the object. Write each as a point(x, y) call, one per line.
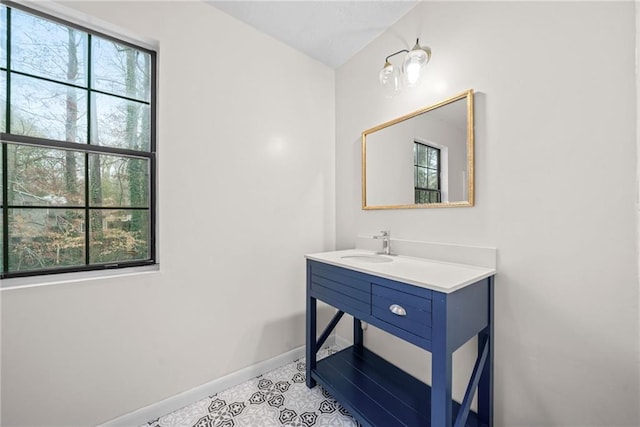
point(412, 72)
point(417, 58)
point(386, 73)
point(391, 79)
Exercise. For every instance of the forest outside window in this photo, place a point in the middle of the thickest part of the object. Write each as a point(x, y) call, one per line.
point(77, 120)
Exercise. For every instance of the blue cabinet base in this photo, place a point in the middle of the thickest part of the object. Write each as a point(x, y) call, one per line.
point(376, 392)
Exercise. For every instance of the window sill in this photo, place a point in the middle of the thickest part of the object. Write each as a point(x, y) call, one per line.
point(58, 279)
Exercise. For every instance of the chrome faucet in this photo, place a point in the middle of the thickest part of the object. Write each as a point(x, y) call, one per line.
point(386, 241)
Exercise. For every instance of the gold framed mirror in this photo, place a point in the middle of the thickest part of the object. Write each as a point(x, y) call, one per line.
point(421, 160)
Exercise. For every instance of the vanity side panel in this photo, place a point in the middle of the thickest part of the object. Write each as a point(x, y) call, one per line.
point(467, 313)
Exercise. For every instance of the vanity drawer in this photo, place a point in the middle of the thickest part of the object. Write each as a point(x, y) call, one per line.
point(412, 312)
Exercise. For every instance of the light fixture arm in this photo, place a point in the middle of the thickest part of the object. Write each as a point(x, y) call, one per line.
point(394, 54)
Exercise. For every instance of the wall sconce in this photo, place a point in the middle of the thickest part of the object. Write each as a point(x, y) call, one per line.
point(394, 78)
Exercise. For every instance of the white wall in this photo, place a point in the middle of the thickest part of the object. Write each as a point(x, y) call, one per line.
point(246, 187)
point(556, 163)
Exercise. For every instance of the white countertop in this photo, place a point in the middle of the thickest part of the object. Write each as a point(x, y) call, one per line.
point(435, 275)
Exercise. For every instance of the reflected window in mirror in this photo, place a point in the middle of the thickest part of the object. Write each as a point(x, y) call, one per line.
point(426, 173)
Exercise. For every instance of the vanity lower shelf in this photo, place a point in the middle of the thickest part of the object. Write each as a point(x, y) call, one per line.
point(375, 390)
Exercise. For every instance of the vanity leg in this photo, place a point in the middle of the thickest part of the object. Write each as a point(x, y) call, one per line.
point(358, 339)
point(485, 387)
point(441, 365)
point(311, 349)
point(441, 389)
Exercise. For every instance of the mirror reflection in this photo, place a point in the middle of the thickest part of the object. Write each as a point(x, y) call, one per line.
point(421, 160)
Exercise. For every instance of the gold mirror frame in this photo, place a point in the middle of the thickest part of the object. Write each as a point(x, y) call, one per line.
point(468, 95)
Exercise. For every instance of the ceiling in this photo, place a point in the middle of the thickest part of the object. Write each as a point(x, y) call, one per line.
point(329, 31)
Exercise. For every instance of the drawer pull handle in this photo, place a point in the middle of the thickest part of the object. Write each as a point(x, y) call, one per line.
point(397, 310)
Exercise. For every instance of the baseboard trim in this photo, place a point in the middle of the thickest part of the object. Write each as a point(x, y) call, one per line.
point(173, 403)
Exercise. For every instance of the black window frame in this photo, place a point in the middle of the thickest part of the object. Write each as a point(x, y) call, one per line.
point(427, 190)
point(86, 149)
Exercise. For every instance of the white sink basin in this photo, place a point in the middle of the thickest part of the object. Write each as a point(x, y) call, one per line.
point(374, 259)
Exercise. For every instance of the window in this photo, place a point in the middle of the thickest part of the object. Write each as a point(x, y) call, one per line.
point(77, 160)
point(426, 176)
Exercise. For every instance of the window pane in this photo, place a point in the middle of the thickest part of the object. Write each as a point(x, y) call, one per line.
point(3, 101)
point(422, 177)
point(433, 158)
point(118, 181)
point(47, 49)
point(3, 64)
point(432, 177)
point(3, 36)
point(1, 182)
point(1, 216)
point(119, 235)
point(422, 155)
point(120, 70)
point(45, 177)
point(1, 240)
point(121, 123)
point(45, 238)
point(48, 110)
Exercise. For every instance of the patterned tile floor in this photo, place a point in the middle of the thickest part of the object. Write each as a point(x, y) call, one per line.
point(277, 398)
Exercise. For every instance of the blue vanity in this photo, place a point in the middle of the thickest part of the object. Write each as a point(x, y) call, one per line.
point(437, 306)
